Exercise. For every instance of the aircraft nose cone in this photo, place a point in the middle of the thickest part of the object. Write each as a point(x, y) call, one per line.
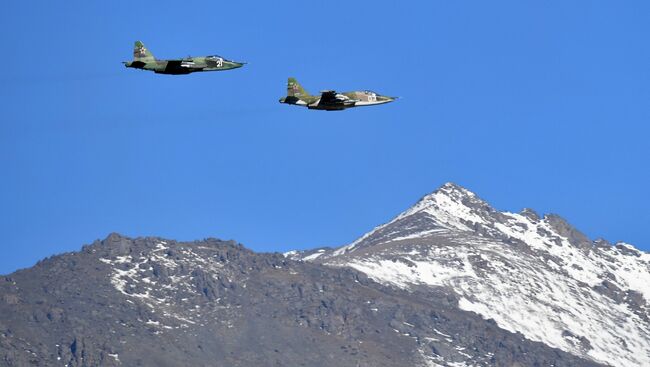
point(281, 100)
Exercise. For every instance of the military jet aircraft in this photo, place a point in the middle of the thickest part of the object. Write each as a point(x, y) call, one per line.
point(330, 100)
point(144, 59)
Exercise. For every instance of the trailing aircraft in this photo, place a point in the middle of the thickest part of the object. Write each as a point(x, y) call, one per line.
point(330, 100)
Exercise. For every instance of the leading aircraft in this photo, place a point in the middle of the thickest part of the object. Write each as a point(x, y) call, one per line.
point(330, 100)
point(144, 59)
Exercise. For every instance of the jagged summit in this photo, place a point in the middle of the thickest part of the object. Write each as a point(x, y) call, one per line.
point(530, 214)
point(453, 209)
point(450, 192)
point(117, 242)
point(452, 187)
point(113, 237)
point(452, 204)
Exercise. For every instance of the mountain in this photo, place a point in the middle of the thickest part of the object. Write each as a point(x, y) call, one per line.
point(533, 275)
point(157, 302)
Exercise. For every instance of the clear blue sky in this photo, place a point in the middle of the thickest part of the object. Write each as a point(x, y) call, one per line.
point(528, 104)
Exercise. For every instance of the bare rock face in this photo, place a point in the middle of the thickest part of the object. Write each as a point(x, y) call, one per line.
point(156, 302)
point(533, 275)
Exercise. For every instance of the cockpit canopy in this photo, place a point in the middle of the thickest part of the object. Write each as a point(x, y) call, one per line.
point(216, 57)
point(369, 92)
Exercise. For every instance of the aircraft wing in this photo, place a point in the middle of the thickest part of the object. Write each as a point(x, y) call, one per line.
point(329, 97)
point(182, 64)
point(176, 64)
point(333, 99)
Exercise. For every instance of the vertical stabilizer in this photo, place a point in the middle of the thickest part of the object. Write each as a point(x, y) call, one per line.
point(141, 53)
point(294, 89)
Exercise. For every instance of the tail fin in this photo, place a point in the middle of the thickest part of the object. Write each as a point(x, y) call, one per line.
point(294, 89)
point(141, 53)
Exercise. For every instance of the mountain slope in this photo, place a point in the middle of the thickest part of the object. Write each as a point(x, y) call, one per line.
point(537, 276)
point(155, 302)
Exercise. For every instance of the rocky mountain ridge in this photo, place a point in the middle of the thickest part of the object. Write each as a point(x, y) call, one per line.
point(449, 282)
point(158, 302)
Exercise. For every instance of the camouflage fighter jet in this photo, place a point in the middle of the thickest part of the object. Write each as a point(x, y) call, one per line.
point(144, 59)
point(330, 100)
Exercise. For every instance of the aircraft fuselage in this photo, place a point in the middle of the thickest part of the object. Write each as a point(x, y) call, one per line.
point(338, 101)
point(184, 66)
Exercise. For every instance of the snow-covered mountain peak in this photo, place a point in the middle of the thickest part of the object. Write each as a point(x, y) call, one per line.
point(455, 190)
point(454, 209)
point(452, 201)
point(537, 275)
point(451, 207)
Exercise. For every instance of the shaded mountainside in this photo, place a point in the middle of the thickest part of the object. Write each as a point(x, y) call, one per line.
point(155, 302)
point(535, 275)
